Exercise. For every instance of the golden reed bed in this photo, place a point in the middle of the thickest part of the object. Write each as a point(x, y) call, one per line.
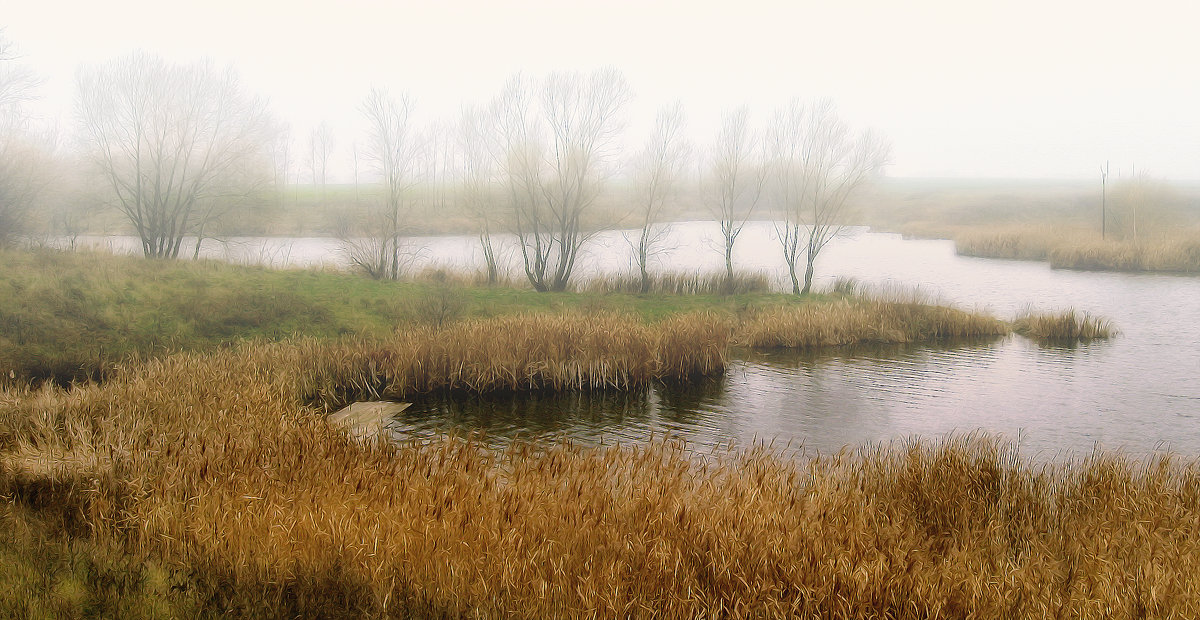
point(212, 483)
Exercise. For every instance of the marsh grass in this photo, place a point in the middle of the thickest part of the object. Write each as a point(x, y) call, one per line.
point(846, 321)
point(230, 494)
point(1168, 255)
point(511, 353)
point(68, 317)
point(682, 283)
point(1066, 326)
point(1013, 242)
point(1068, 247)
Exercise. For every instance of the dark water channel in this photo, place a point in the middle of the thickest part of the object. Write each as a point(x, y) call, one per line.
point(1138, 392)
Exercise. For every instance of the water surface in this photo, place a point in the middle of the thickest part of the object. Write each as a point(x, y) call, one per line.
point(1138, 392)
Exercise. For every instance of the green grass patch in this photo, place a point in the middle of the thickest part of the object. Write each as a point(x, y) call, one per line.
point(71, 316)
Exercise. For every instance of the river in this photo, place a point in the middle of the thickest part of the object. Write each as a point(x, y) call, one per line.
point(1137, 393)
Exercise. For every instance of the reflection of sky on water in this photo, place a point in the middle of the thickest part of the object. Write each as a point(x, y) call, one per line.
point(1140, 391)
point(822, 402)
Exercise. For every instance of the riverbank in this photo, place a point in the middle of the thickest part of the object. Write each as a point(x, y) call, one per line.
point(230, 493)
point(73, 316)
point(1068, 247)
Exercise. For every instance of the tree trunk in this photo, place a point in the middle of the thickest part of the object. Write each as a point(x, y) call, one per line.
point(729, 286)
point(808, 274)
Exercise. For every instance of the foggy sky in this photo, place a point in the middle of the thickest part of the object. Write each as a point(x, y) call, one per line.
point(1035, 89)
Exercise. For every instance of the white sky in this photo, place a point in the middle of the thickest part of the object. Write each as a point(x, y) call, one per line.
point(963, 89)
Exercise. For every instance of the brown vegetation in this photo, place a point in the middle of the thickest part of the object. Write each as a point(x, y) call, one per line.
point(1067, 326)
point(1078, 250)
point(1181, 254)
point(853, 322)
point(514, 353)
point(1022, 243)
point(682, 283)
point(227, 494)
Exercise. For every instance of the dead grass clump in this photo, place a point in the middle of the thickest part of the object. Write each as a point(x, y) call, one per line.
point(264, 509)
point(682, 283)
point(1068, 326)
point(1097, 255)
point(512, 353)
point(1180, 254)
point(846, 321)
point(1022, 243)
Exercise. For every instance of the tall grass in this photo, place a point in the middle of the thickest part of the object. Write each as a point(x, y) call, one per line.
point(849, 321)
point(1066, 326)
point(68, 317)
point(682, 283)
point(1022, 242)
point(1074, 248)
point(247, 502)
point(512, 353)
point(1169, 255)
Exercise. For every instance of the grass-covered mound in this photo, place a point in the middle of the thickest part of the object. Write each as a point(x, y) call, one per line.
point(70, 316)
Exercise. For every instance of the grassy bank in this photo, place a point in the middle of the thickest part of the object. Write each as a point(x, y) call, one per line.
point(1067, 248)
point(231, 494)
point(70, 316)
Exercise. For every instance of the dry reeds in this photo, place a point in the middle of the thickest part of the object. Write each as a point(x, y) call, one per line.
point(1169, 255)
point(1067, 326)
point(254, 505)
point(682, 283)
point(1081, 249)
point(514, 353)
point(845, 322)
point(1021, 243)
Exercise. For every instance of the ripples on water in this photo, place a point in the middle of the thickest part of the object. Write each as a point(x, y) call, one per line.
point(1138, 392)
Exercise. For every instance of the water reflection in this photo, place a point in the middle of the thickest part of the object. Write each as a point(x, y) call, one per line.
point(1138, 392)
point(823, 402)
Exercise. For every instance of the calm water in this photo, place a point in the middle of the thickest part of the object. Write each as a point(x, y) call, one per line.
point(1139, 392)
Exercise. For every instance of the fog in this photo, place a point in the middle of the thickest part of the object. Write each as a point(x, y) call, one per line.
point(1014, 89)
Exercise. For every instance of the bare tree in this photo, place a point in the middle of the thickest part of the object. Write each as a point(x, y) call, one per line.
point(475, 172)
point(178, 144)
point(25, 159)
point(17, 81)
point(556, 144)
point(1141, 207)
point(656, 173)
point(280, 151)
point(734, 181)
point(393, 149)
point(320, 147)
point(816, 167)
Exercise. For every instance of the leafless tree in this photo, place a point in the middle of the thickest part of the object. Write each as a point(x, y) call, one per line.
point(17, 81)
point(178, 144)
point(475, 172)
point(280, 151)
point(816, 167)
point(556, 145)
point(1141, 207)
point(320, 148)
point(25, 156)
point(734, 180)
point(393, 149)
point(656, 172)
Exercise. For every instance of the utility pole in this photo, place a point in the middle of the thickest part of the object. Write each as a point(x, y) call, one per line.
point(1104, 200)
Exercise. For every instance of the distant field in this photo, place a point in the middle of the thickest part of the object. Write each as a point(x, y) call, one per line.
point(924, 207)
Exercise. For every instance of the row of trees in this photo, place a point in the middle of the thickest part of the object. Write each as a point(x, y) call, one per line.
point(535, 161)
point(178, 146)
point(23, 152)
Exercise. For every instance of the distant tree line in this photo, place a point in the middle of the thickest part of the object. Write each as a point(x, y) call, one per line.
point(177, 147)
